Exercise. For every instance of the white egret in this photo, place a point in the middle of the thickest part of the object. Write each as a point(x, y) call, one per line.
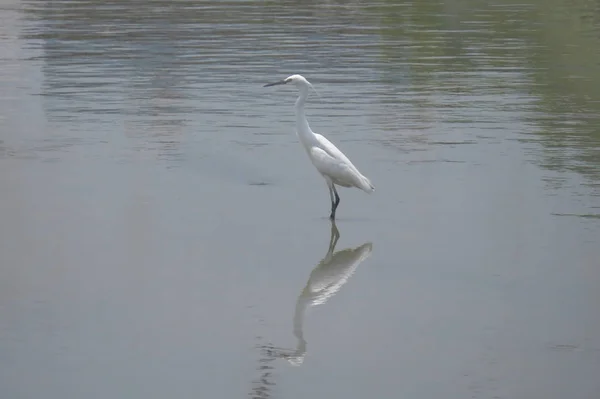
point(333, 165)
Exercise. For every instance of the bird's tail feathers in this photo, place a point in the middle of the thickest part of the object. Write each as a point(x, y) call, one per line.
point(366, 185)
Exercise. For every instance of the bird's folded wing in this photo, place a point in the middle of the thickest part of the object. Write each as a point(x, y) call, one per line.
point(331, 167)
point(331, 149)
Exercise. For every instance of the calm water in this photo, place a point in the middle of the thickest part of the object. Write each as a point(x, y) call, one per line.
point(163, 234)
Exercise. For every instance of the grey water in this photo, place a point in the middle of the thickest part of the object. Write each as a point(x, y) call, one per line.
point(163, 233)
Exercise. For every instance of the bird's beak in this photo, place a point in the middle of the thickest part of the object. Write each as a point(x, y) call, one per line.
point(281, 82)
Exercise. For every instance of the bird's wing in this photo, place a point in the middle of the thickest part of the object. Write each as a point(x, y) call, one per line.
point(332, 150)
point(337, 170)
point(348, 174)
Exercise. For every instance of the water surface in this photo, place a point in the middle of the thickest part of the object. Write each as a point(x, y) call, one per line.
point(164, 234)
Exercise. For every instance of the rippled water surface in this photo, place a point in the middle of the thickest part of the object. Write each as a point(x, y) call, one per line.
point(163, 233)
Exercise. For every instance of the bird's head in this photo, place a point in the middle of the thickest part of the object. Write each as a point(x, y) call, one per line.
point(297, 80)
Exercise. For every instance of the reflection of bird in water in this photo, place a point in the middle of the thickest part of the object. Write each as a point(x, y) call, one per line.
point(325, 281)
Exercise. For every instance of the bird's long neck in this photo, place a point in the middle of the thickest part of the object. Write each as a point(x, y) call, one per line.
point(302, 127)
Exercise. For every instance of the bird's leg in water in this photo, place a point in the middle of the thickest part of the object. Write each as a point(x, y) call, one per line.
point(335, 236)
point(335, 204)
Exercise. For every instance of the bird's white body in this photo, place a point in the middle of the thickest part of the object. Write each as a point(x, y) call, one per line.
point(331, 163)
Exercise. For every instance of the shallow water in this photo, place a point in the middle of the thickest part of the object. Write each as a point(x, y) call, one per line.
point(164, 234)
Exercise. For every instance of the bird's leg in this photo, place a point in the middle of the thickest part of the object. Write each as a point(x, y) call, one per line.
point(335, 204)
point(330, 186)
